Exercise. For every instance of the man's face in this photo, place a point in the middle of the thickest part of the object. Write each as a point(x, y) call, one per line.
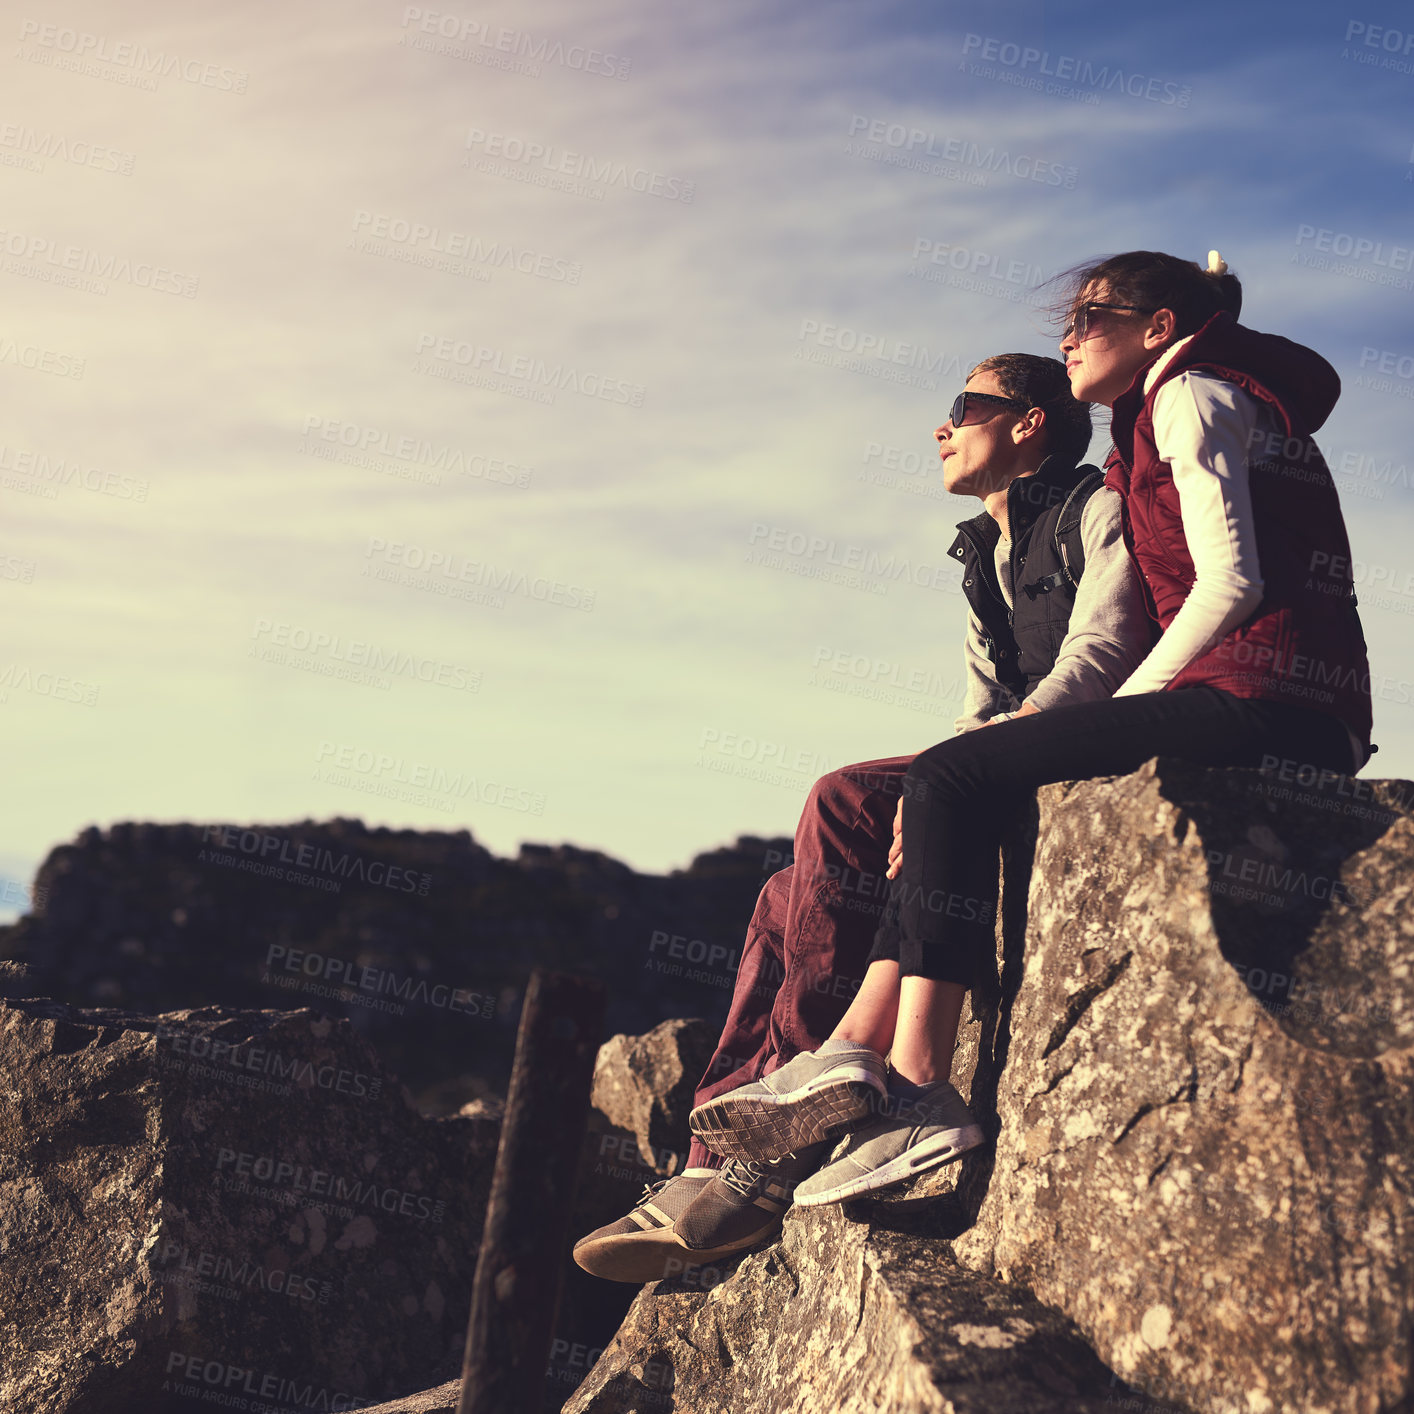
point(983, 456)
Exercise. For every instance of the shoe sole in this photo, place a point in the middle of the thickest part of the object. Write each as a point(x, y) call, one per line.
point(651, 1256)
point(951, 1144)
point(767, 1127)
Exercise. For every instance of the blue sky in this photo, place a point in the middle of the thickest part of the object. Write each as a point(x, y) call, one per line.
point(600, 339)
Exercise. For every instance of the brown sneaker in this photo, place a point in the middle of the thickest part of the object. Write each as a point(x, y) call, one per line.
point(742, 1206)
point(643, 1246)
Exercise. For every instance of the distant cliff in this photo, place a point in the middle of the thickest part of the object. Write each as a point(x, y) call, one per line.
point(423, 939)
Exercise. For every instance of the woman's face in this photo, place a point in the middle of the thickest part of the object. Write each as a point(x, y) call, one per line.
point(1105, 347)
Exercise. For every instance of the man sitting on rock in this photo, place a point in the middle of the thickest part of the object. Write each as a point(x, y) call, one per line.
point(805, 1018)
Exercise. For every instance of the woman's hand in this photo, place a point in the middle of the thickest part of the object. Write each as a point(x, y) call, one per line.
point(896, 848)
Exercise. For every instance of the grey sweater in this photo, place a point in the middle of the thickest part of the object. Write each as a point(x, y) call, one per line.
point(1110, 630)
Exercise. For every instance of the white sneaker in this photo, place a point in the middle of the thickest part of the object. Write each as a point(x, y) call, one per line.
point(915, 1133)
point(817, 1095)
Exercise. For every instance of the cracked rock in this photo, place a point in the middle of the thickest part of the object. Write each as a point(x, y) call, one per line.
point(1194, 1056)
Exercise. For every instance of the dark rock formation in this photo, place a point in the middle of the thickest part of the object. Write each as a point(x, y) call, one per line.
point(221, 1201)
point(422, 939)
point(1195, 1056)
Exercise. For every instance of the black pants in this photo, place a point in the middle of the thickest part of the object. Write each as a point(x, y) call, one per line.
point(959, 794)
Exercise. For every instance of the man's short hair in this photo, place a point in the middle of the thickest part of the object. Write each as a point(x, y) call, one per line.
point(1043, 383)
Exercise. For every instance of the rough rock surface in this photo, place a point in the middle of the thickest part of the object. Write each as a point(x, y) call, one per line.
point(211, 1201)
point(1195, 1056)
point(442, 1400)
point(643, 1087)
point(841, 1318)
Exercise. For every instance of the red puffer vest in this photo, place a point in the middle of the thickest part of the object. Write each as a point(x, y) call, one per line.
point(1303, 644)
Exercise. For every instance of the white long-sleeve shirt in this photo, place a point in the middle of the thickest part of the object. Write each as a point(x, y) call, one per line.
point(1109, 629)
point(1202, 428)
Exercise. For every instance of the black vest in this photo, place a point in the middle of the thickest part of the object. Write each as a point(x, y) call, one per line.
point(1047, 560)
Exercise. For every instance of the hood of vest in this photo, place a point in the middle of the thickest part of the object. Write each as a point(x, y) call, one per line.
point(1295, 381)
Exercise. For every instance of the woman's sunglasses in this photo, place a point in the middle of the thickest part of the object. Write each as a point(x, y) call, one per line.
point(1080, 324)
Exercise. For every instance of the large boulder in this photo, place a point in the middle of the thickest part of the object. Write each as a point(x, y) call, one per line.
point(643, 1090)
point(1195, 1057)
point(218, 1204)
point(844, 1318)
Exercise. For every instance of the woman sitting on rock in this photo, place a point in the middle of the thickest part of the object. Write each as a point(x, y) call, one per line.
point(1233, 521)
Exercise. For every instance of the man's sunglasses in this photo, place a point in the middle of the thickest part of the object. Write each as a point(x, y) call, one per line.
point(971, 402)
point(1080, 324)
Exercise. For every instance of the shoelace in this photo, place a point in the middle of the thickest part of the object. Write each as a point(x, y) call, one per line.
point(741, 1175)
point(649, 1189)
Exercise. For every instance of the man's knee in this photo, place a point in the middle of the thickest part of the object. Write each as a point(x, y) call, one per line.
point(775, 893)
point(843, 791)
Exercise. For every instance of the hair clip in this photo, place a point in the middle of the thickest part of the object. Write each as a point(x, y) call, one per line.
point(1216, 264)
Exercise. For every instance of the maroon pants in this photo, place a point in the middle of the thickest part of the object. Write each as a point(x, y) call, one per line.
point(807, 947)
